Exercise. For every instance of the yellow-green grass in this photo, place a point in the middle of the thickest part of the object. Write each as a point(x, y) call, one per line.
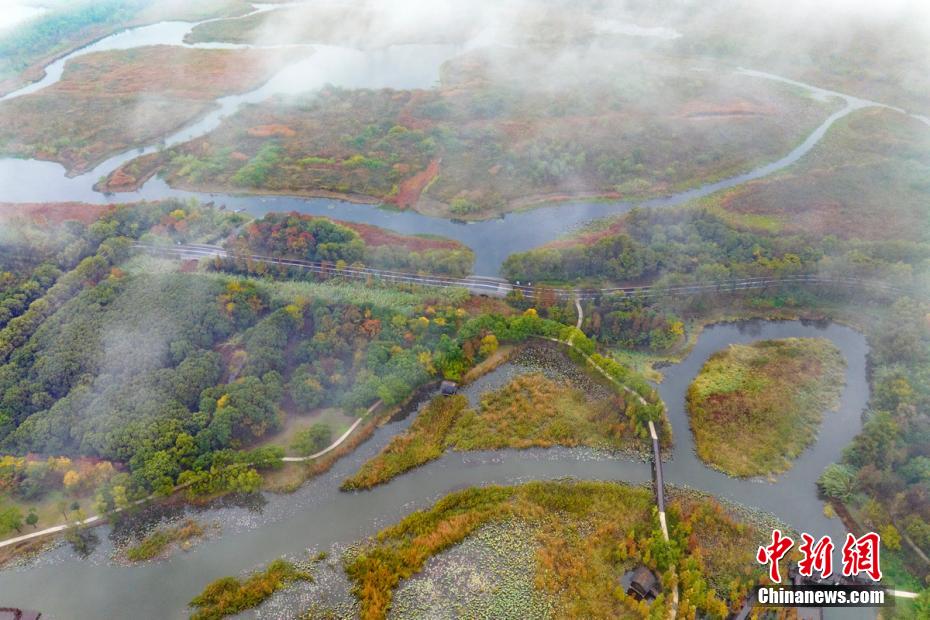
point(755, 408)
point(535, 411)
point(586, 536)
point(158, 541)
point(227, 596)
point(530, 411)
point(336, 291)
point(644, 362)
point(48, 509)
point(335, 418)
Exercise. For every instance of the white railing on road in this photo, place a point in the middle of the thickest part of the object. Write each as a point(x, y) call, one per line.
point(499, 287)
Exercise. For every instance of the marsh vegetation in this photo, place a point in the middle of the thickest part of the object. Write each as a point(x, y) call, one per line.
point(505, 129)
point(158, 542)
point(551, 401)
point(753, 409)
point(109, 102)
point(228, 596)
point(583, 535)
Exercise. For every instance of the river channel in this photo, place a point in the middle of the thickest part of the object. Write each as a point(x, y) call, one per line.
point(397, 66)
point(318, 514)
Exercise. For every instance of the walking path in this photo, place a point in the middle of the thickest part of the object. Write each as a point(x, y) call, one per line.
point(596, 366)
point(98, 519)
point(335, 444)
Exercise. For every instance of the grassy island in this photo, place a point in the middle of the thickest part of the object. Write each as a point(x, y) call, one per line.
point(572, 542)
point(755, 408)
point(533, 410)
point(156, 543)
point(490, 139)
point(227, 596)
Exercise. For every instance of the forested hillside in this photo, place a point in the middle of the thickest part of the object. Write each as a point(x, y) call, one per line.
point(169, 372)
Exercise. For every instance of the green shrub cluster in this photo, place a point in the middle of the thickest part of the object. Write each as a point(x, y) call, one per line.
point(311, 440)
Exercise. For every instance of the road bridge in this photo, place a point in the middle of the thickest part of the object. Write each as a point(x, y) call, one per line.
point(500, 288)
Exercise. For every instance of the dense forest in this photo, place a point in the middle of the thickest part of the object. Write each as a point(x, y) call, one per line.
point(52, 347)
point(885, 472)
point(684, 245)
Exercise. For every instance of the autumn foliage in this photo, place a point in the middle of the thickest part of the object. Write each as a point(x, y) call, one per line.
point(587, 535)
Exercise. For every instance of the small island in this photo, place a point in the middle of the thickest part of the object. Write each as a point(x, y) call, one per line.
point(755, 408)
point(559, 405)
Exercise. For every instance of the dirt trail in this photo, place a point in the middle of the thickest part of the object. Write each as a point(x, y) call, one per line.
point(409, 191)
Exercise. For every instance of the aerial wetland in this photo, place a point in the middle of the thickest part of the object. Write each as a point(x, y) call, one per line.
point(244, 370)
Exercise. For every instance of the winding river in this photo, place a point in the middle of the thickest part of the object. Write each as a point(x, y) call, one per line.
point(398, 66)
point(318, 514)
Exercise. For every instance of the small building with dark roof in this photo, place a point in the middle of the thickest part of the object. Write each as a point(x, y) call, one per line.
point(644, 585)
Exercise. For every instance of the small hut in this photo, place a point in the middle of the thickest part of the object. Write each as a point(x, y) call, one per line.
point(448, 388)
point(644, 585)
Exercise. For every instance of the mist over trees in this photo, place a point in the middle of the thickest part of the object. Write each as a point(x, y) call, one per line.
point(319, 239)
